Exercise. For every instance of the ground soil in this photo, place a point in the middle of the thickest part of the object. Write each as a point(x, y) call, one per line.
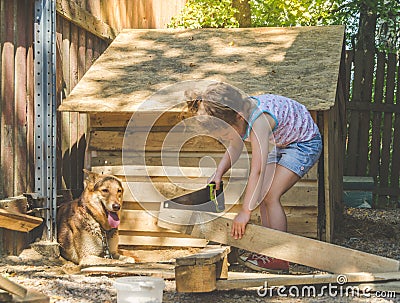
point(373, 231)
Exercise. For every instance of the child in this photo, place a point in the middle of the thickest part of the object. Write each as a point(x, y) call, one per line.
point(261, 119)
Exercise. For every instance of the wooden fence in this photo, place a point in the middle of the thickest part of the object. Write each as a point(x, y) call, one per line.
point(373, 145)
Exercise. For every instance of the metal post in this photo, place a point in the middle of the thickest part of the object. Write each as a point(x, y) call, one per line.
point(45, 111)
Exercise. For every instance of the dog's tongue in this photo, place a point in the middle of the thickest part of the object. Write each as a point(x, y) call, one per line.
point(113, 219)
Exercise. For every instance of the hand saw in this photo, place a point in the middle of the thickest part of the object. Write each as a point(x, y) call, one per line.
point(206, 199)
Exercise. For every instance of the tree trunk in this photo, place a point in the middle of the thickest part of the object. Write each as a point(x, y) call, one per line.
point(243, 16)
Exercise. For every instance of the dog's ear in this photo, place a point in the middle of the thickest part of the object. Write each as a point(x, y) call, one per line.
point(90, 179)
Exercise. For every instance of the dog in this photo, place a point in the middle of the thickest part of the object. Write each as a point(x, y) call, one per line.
point(87, 228)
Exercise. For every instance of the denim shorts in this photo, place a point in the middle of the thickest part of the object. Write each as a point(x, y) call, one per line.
point(298, 157)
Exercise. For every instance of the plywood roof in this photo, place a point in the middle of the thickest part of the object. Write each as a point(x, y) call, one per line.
point(298, 62)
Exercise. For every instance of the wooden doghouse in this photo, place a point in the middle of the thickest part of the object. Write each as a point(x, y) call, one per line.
point(303, 63)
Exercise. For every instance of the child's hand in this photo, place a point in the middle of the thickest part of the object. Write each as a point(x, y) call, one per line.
point(217, 179)
point(239, 224)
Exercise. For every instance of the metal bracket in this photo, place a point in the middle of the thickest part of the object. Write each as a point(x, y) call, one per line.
point(46, 111)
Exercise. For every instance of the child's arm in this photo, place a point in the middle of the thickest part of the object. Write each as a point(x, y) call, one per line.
point(231, 155)
point(259, 139)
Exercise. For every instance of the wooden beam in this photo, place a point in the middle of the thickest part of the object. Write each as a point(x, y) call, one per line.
point(18, 222)
point(12, 287)
point(238, 280)
point(277, 244)
point(165, 271)
point(77, 15)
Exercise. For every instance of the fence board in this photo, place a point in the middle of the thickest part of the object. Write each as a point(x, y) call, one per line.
point(354, 118)
point(384, 171)
point(377, 116)
point(394, 179)
point(365, 117)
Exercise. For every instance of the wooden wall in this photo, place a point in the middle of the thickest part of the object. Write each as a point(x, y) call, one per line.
point(16, 108)
point(78, 47)
point(16, 93)
point(151, 185)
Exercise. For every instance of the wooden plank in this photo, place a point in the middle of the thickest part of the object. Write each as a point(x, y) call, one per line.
point(309, 252)
point(301, 195)
point(17, 204)
point(12, 287)
point(395, 172)
point(116, 82)
point(8, 102)
point(21, 155)
point(153, 141)
point(186, 159)
point(159, 239)
point(18, 222)
point(365, 117)
point(74, 13)
point(328, 205)
point(353, 133)
point(208, 255)
point(238, 280)
point(300, 222)
point(387, 135)
point(377, 116)
point(376, 106)
point(170, 171)
point(165, 271)
point(32, 297)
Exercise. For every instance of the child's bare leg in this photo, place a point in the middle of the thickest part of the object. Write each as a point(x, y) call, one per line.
point(269, 175)
point(272, 213)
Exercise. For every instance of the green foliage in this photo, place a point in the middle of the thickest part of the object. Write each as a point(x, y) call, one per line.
point(219, 13)
point(205, 13)
point(387, 23)
point(292, 13)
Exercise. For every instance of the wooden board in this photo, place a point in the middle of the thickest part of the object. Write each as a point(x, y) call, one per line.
point(165, 271)
point(299, 62)
point(301, 250)
point(239, 280)
point(208, 255)
point(18, 222)
point(12, 287)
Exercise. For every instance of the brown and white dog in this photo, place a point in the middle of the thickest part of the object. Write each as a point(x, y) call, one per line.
point(87, 227)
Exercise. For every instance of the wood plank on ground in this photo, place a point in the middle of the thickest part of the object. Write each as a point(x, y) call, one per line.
point(239, 280)
point(165, 271)
point(293, 248)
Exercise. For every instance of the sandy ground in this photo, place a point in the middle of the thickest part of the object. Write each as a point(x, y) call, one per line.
point(373, 231)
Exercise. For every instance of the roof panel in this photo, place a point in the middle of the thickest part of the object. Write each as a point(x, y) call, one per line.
point(298, 62)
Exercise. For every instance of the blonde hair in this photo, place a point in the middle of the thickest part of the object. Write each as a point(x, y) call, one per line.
point(220, 100)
